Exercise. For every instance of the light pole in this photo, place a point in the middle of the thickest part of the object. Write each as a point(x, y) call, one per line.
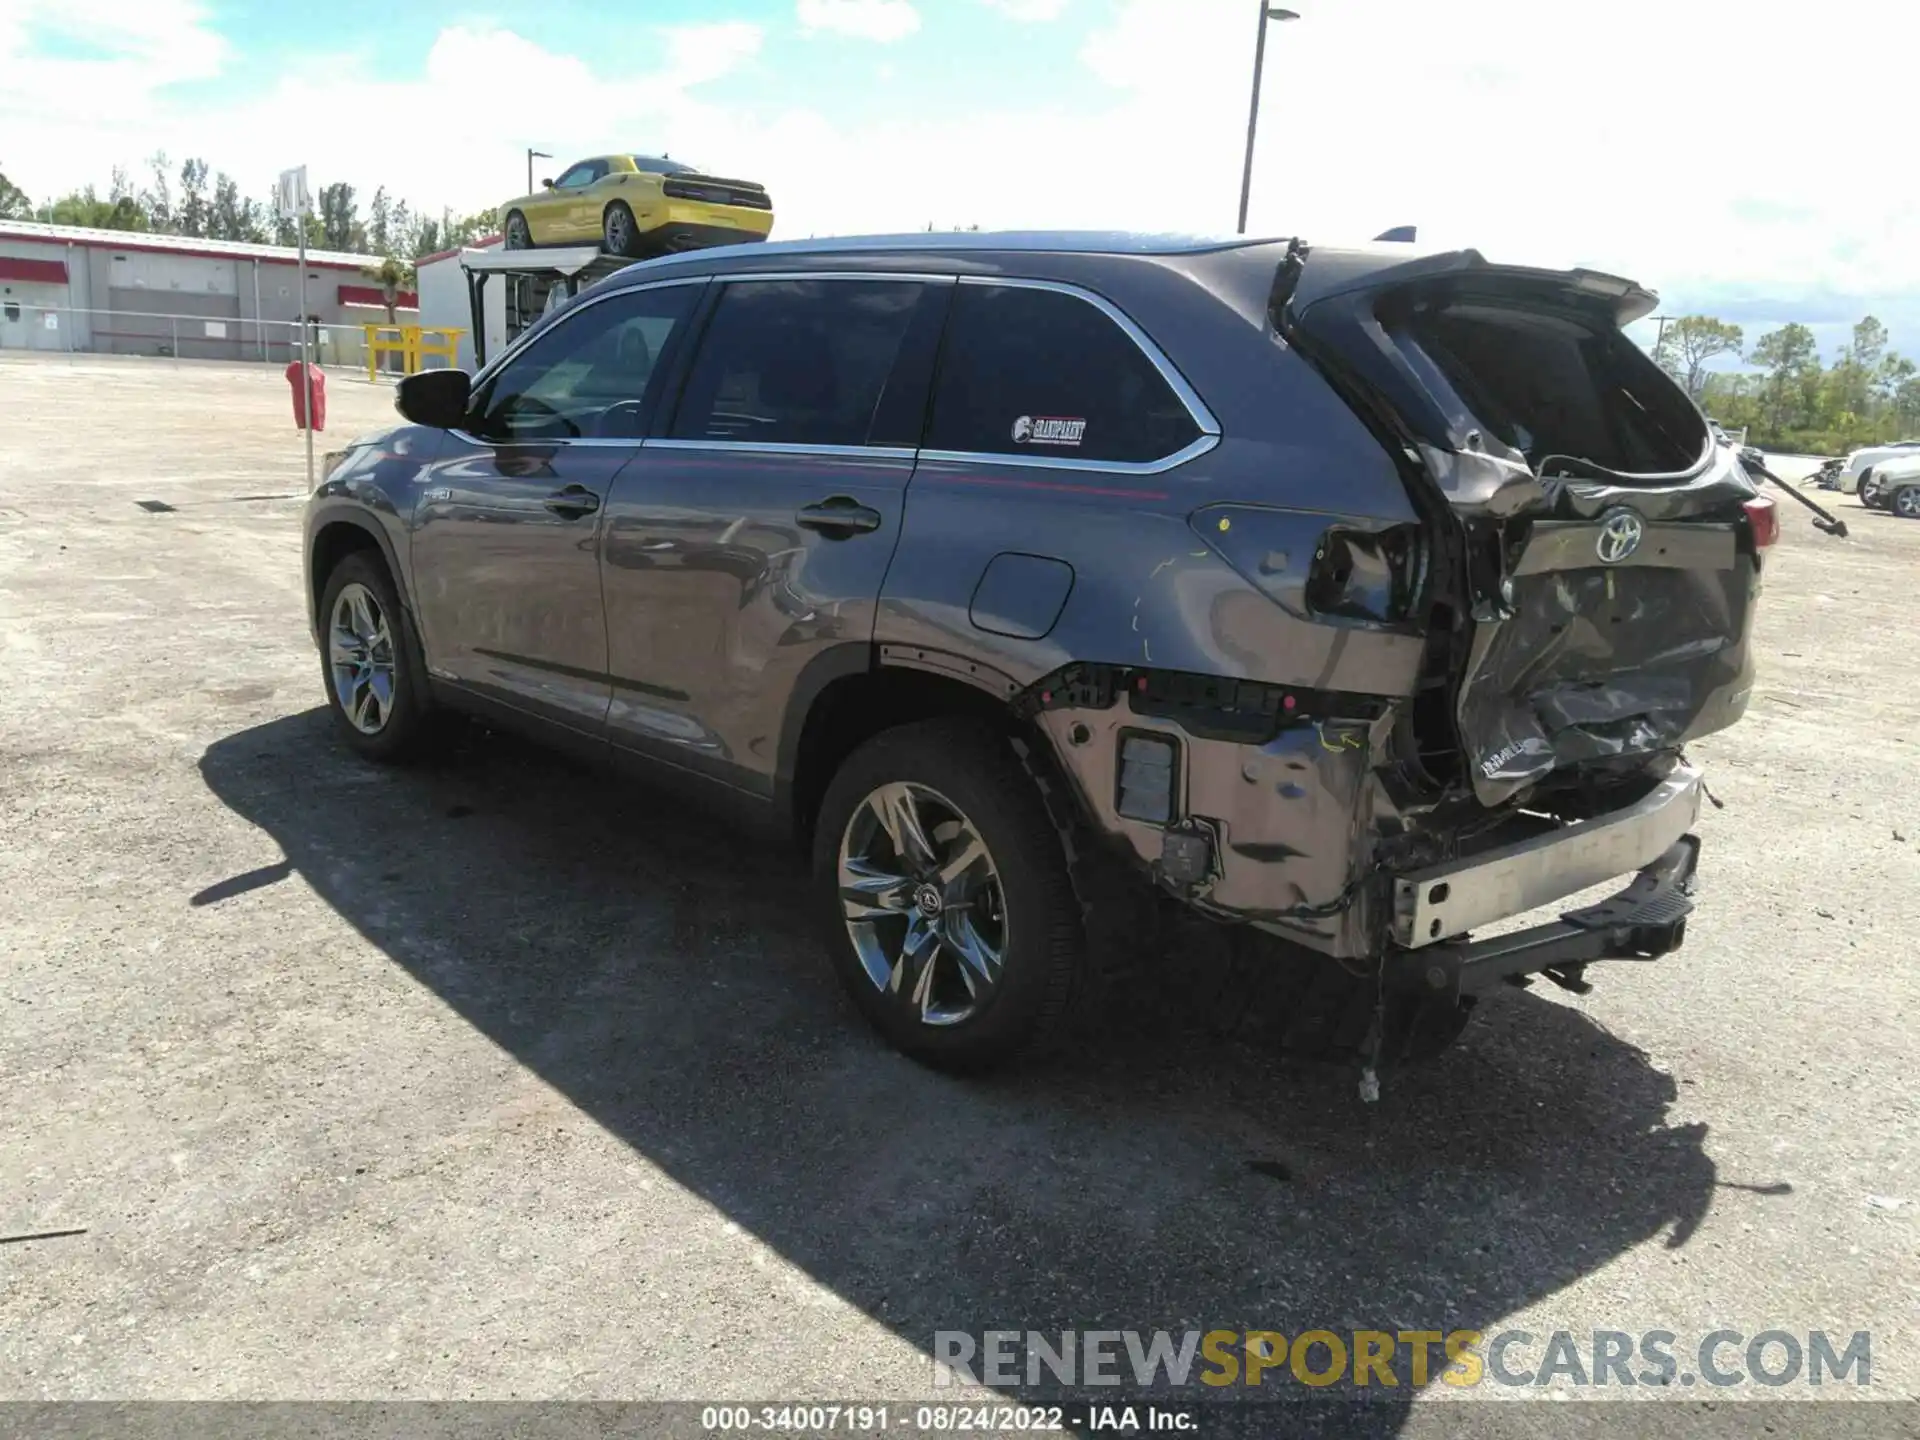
point(533, 155)
point(1267, 12)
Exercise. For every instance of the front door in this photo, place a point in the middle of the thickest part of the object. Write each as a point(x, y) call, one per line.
point(506, 533)
point(757, 530)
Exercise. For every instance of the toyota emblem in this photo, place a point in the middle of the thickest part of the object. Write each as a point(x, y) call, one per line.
point(1620, 533)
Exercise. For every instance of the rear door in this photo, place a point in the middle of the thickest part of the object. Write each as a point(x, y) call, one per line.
point(1593, 541)
point(505, 535)
point(756, 531)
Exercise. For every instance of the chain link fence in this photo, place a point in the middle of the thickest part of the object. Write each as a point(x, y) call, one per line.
point(78, 330)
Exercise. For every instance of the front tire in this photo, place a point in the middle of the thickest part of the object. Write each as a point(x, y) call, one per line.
point(1906, 502)
point(945, 898)
point(519, 236)
point(371, 663)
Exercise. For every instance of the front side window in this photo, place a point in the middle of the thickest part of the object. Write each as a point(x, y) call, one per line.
point(1041, 374)
point(579, 175)
point(594, 375)
point(798, 362)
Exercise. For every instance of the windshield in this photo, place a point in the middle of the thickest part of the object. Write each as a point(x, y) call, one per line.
point(652, 165)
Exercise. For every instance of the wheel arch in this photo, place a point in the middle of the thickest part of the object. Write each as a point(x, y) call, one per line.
point(337, 535)
point(851, 693)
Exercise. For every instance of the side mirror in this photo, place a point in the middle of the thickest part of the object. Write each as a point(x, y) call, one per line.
point(546, 184)
point(434, 397)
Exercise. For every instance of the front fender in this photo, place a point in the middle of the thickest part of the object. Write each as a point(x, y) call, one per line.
point(372, 489)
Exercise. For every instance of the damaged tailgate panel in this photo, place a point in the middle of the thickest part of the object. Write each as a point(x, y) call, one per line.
point(1603, 576)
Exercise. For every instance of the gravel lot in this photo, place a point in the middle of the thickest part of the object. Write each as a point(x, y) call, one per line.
point(492, 1080)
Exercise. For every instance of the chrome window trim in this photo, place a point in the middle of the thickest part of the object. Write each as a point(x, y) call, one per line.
point(773, 447)
point(904, 277)
point(591, 441)
point(1199, 446)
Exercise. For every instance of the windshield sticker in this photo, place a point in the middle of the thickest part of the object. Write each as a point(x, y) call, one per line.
point(1048, 430)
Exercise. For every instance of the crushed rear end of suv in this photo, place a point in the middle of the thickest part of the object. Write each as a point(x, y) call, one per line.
point(1066, 594)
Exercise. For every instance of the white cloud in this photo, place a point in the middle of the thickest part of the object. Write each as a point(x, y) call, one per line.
point(1635, 139)
point(1029, 10)
point(697, 54)
point(883, 20)
point(139, 47)
point(56, 138)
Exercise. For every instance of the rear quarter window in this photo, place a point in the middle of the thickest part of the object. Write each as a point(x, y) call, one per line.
point(1038, 374)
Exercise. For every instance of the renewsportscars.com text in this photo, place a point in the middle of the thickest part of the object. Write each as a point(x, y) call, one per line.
point(1389, 1358)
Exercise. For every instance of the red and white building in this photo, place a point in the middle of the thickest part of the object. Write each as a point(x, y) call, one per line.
point(126, 292)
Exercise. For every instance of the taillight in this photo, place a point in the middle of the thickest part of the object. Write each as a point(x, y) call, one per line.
point(1311, 567)
point(1764, 517)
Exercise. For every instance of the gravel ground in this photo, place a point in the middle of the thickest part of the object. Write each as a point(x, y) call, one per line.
point(492, 1080)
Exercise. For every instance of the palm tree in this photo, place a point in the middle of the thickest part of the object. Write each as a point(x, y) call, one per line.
point(392, 276)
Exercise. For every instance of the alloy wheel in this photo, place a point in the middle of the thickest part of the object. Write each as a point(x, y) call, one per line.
point(619, 230)
point(1906, 502)
point(518, 237)
point(923, 903)
point(360, 657)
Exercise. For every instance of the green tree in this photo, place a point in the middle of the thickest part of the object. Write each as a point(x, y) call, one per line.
point(14, 204)
point(1906, 405)
point(194, 213)
point(1869, 345)
point(1690, 342)
point(1790, 357)
point(340, 227)
point(86, 208)
point(226, 219)
point(392, 275)
point(157, 199)
point(380, 222)
point(1894, 372)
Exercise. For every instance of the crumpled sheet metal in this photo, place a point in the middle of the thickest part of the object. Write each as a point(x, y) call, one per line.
point(1600, 663)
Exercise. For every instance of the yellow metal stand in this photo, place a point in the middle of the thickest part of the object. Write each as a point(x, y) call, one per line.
point(411, 344)
point(386, 340)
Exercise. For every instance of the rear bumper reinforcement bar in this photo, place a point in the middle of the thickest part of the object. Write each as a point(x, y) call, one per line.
point(1646, 920)
point(1444, 901)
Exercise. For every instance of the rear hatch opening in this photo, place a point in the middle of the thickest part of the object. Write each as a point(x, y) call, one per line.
point(1594, 562)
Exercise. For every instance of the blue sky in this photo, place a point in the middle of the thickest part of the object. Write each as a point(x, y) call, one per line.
point(1633, 138)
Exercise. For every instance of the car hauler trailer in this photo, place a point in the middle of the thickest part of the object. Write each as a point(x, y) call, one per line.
point(531, 283)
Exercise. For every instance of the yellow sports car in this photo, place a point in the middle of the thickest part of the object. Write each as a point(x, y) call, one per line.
point(637, 205)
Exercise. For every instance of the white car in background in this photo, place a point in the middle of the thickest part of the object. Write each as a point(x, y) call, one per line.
point(1861, 461)
point(1895, 485)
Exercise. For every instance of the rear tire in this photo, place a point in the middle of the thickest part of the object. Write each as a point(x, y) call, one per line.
point(371, 663)
point(962, 971)
point(619, 234)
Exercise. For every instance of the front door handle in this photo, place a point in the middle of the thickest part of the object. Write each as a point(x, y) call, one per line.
point(572, 502)
point(838, 517)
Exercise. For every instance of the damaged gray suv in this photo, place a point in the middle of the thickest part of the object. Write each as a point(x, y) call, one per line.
point(1069, 596)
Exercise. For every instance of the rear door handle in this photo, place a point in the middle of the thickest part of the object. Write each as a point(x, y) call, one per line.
point(573, 502)
point(838, 517)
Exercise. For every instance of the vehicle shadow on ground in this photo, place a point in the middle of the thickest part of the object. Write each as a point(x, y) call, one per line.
point(660, 974)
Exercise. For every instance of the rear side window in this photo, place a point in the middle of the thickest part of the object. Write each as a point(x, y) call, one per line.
point(801, 362)
point(1041, 374)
